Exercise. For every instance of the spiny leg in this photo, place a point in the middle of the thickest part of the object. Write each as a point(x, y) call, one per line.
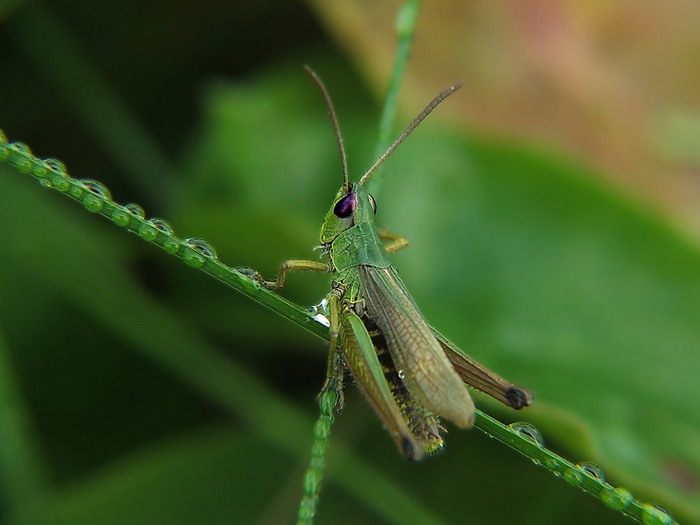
point(294, 265)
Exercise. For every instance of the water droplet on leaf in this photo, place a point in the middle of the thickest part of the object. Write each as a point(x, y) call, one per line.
point(96, 188)
point(616, 498)
point(201, 246)
point(135, 210)
point(527, 431)
point(161, 225)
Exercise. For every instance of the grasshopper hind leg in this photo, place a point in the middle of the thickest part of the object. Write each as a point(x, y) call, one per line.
point(363, 361)
point(519, 397)
point(478, 376)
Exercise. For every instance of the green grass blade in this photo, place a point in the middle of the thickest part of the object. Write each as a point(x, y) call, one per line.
point(406, 22)
point(23, 475)
point(205, 369)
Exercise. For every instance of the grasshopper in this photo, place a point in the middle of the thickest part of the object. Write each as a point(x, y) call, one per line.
point(411, 374)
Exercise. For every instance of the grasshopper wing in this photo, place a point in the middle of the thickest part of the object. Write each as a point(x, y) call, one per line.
point(425, 369)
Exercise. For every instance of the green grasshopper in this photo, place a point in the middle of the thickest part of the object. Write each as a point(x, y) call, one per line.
point(410, 373)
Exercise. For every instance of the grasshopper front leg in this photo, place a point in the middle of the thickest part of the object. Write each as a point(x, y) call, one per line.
point(294, 265)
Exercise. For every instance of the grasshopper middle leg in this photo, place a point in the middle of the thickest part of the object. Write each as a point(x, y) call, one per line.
point(396, 242)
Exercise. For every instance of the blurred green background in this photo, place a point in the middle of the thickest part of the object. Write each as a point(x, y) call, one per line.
point(551, 207)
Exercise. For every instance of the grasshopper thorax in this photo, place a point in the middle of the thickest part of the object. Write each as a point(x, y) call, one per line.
point(352, 205)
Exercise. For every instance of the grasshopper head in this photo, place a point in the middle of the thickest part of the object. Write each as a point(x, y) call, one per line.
point(352, 205)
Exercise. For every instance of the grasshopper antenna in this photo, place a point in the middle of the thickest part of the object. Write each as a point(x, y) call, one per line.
point(413, 125)
point(334, 121)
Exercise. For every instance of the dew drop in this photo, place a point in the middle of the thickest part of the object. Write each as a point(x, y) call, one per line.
point(161, 225)
point(527, 431)
point(250, 273)
point(22, 156)
point(120, 217)
point(193, 258)
point(319, 317)
point(320, 308)
point(24, 165)
point(76, 191)
point(593, 471)
point(96, 188)
point(656, 515)
point(56, 166)
point(20, 160)
point(45, 183)
point(616, 498)
point(201, 246)
point(135, 210)
point(40, 171)
point(20, 147)
point(92, 203)
point(148, 233)
point(172, 246)
point(552, 464)
point(61, 183)
point(401, 374)
point(573, 476)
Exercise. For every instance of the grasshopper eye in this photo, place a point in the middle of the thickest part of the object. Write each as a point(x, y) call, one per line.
point(346, 206)
point(373, 203)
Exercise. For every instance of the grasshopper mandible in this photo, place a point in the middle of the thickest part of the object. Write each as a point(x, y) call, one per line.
point(410, 373)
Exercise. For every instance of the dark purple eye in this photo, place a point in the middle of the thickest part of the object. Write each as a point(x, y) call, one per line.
point(346, 206)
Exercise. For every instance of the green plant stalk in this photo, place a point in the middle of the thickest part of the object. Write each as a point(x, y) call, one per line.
point(406, 22)
point(314, 473)
point(51, 175)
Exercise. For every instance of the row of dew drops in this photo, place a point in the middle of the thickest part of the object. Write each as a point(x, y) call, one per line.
point(617, 498)
point(94, 195)
point(52, 173)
